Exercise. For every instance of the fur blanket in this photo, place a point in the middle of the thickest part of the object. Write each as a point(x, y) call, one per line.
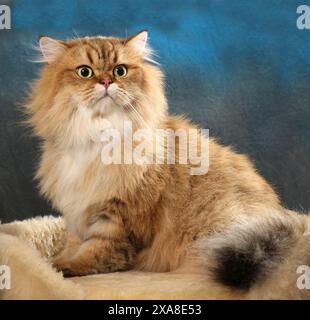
point(27, 247)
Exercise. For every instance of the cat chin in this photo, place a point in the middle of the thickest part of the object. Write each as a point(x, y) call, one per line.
point(105, 105)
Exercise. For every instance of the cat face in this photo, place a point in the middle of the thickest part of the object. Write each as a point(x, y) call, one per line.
point(98, 73)
point(93, 78)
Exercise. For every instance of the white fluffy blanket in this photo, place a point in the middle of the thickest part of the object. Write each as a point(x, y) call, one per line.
point(27, 246)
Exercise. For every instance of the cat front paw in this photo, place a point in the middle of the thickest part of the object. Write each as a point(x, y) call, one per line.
point(73, 268)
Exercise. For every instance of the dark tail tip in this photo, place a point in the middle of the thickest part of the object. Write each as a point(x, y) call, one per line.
point(237, 268)
point(245, 254)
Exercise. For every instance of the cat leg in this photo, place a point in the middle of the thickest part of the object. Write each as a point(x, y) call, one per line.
point(105, 246)
point(98, 255)
point(72, 244)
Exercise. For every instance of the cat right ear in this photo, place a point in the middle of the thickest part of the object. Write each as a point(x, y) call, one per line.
point(139, 41)
point(51, 49)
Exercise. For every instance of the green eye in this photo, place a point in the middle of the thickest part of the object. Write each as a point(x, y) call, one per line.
point(84, 72)
point(120, 71)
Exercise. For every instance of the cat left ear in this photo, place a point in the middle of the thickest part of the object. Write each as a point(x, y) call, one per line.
point(51, 49)
point(139, 42)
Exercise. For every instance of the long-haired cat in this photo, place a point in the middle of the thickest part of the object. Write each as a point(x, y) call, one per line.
point(227, 223)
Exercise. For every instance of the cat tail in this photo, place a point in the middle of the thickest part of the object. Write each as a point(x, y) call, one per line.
point(262, 257)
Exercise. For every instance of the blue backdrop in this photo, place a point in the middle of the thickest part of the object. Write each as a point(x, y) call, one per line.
point(240, 68)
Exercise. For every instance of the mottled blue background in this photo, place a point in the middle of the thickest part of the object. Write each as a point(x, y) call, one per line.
point(240, 68)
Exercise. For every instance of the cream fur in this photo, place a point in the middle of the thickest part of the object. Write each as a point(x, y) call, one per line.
point(22, 246)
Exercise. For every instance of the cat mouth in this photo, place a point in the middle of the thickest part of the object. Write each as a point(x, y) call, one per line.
point(106, 96)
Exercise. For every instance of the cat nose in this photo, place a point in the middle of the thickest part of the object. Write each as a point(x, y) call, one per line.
point(106, 83)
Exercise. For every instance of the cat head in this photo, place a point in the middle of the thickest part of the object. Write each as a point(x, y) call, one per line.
point(88, 81)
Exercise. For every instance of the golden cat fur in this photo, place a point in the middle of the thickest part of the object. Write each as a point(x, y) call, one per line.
point(151, 217)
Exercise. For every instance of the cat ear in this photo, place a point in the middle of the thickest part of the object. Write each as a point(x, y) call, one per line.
point(51, 49)
point(139, 42)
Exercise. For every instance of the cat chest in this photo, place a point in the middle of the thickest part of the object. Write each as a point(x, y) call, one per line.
point(81, 181)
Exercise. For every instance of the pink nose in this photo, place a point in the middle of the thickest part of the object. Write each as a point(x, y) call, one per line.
point(106, 83)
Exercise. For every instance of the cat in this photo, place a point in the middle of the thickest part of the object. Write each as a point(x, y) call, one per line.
point(227, 223)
